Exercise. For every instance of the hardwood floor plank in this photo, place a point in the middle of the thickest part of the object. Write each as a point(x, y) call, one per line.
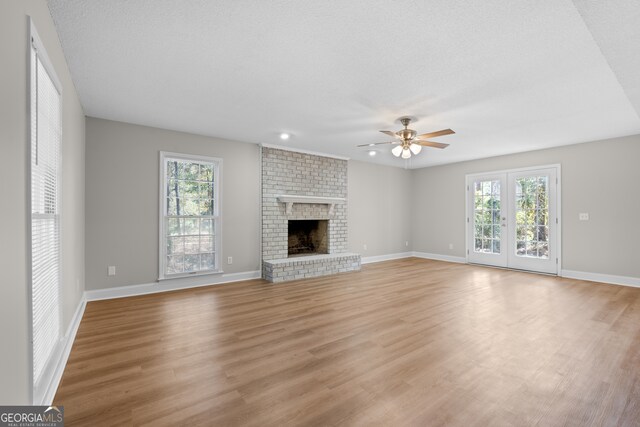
point(405, 342)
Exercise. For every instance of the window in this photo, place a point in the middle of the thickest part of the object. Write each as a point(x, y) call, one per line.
point(46, 134)
point(190, 215)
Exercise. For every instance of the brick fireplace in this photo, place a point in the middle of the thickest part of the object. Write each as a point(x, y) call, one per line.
point(304, 216)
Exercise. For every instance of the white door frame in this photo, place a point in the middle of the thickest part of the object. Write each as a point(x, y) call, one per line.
point(469, 178)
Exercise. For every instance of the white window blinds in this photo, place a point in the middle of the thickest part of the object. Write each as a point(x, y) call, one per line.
point(46, 129)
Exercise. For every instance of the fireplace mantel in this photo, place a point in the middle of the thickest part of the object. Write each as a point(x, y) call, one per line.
point(290, 199)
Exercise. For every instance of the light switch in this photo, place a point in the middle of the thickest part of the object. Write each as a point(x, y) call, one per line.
point(112, 270)
point(583, 216)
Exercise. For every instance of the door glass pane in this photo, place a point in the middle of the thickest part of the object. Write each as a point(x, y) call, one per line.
point(487, 214)
point(532, 217)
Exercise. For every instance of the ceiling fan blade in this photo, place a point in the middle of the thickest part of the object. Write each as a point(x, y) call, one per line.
point(434, 134)
point(378, 143)
point(390, 133)
point(429, 144)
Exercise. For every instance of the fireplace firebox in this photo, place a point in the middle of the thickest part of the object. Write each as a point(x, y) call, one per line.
point(308, 237)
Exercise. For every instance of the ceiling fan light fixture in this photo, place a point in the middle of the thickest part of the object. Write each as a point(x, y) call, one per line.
point(407, 141)
point(284, 136)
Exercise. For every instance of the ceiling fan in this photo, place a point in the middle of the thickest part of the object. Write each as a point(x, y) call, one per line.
point(409, 142)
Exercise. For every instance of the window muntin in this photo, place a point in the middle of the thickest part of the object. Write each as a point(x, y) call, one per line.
point(487, 211)
point(532, 217)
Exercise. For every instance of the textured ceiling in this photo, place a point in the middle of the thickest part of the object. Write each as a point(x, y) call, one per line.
point(507, 76)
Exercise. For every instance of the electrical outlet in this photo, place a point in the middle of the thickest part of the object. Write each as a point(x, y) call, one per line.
point(406, 243)
point(450, 245)
point(583, 217)
point(230, 260)
point(77, 284)
point(111, 270)
point(364, 246)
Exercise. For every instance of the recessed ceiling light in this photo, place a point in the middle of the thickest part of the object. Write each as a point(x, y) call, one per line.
point(284, 136)
point(372, 153)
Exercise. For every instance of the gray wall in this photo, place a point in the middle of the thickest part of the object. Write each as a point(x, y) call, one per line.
point(380, 199)
point(15, 316)
point(122, 200)
point(387, 206)
point(600, 178)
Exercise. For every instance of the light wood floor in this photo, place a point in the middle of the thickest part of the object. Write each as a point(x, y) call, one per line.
point(408, 342)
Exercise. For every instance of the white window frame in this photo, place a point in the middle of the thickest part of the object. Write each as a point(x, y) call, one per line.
point(41, 390)
point(217, 213)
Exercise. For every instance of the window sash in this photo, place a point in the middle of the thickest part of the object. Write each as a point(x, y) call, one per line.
point(173, 262)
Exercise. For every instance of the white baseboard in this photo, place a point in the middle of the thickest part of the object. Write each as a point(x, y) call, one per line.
point(425, 255)
point(438, 257)
point(603, 278)
point(388, 257)
point(63, 356)
point(169, 285)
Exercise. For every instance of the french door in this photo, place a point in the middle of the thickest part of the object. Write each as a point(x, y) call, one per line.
point(513, 219)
